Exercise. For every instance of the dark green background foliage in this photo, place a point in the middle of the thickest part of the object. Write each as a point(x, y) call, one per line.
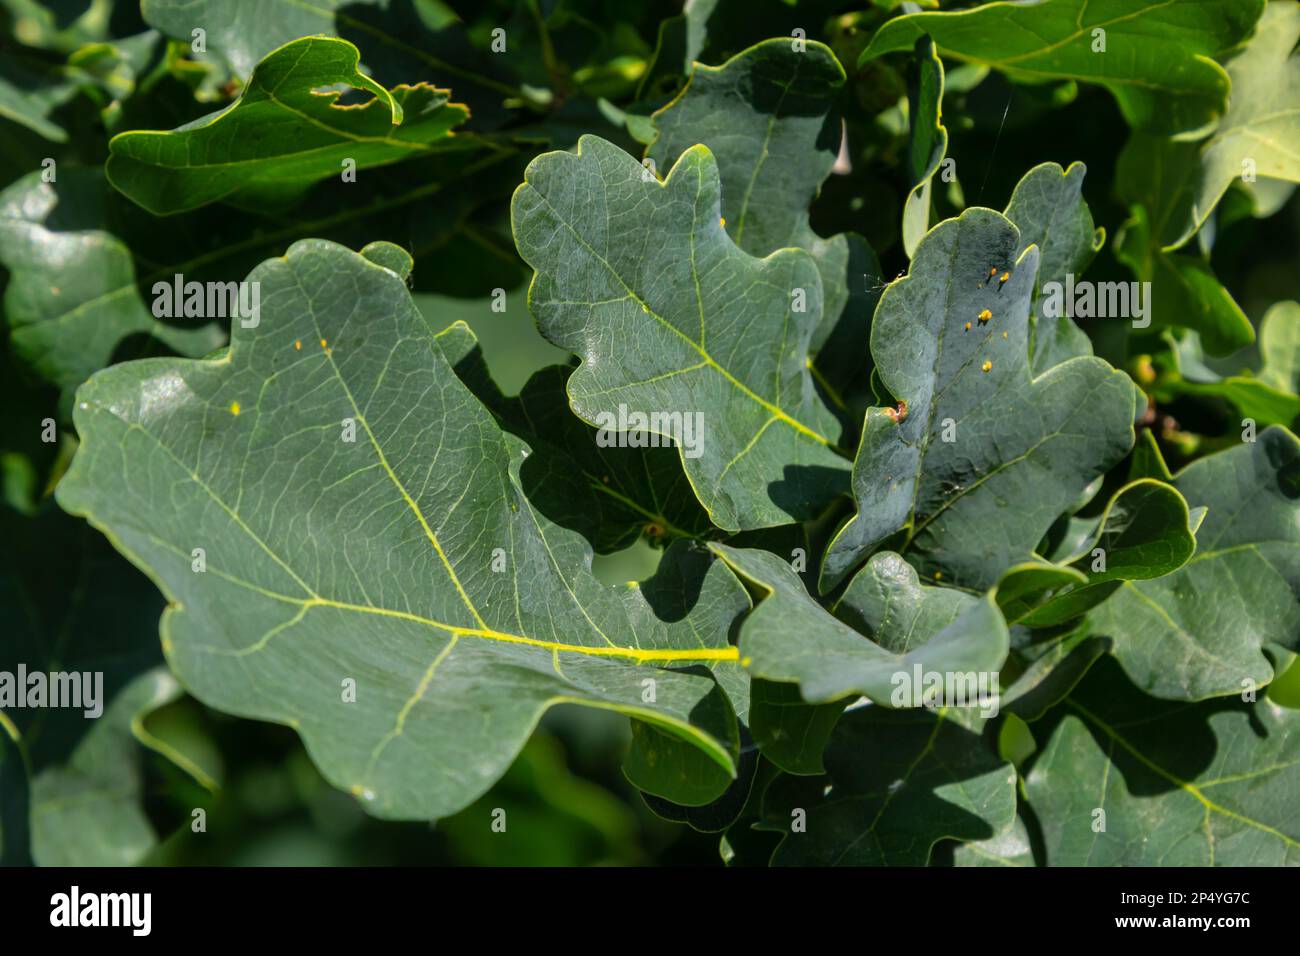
point(481, 227)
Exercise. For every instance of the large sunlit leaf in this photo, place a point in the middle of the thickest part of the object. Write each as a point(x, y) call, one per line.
point(980, 457)
point(640, 279)
point(374, 576)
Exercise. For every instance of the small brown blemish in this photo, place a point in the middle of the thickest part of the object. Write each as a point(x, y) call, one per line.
point(987, 365)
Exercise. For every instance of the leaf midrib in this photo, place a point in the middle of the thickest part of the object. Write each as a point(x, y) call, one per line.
point(640, 655)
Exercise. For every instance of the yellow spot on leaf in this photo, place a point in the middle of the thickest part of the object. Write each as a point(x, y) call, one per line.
point(985, 316)
point(297, 344)
point(1004, 277)
point(323, 343)
point(746, 661)
point(1004, 335)
point(987, 365)
point(234, 408)
point(993, 270)
point(722, 220)
point(967, 326)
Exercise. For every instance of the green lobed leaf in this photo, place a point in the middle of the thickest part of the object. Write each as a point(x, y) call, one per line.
point(281, 135)
point(1203, 631)
point(371, 560)
point(898, 626)
point(1156, 61)
point(1180, 785)
point(1021, 448)
point(670, 317)
point(769, 115)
